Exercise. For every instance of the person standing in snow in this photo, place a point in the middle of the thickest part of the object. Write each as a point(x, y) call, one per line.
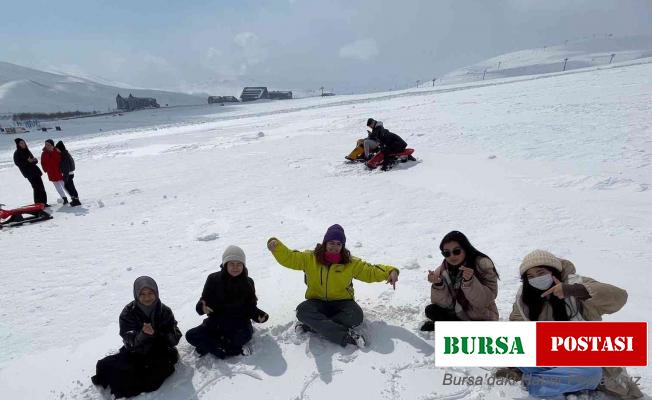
point(229, 300)
point(51, 163)
point(25, 161)
point(67, 167)
point(150, 335)
point(551, 291)
point(464, 287)
point(330, 308)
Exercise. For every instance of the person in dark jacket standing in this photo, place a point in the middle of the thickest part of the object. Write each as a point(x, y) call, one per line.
point(229, 300)
point(67, 167)
point(389, 142)
point(26, 162)
point(150, 335)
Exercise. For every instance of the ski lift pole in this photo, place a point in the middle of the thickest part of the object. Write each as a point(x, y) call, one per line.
point(484, 73)
point(565, 61)
point(612, 57)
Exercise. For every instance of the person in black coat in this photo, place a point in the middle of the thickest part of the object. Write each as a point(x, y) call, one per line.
point(26, 162)
point(67, 167)
point(390, 143)
point(150, 335)
point(229, 300)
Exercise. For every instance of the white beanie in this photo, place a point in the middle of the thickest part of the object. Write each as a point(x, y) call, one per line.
point(233, 253)
point(539, 258)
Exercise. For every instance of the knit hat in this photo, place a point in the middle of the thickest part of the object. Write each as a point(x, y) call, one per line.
point(144, 282)
point(233, 253)
point(335, 232)
point(539, 258)
point(18, 140)
point(371, 122)
point(50, 141)
point(60, 145)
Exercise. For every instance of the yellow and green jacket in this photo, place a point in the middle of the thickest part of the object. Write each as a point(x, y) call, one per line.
point(334, 282)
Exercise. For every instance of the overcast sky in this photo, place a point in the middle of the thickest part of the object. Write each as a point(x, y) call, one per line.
point(344, 45)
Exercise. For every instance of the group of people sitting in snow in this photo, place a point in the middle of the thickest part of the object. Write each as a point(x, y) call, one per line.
point(57, 163)
point(463, 288)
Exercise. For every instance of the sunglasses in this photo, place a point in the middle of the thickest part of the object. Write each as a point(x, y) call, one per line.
point(447, 253)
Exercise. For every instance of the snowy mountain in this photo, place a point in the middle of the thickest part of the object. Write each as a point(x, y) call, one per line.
point(24, 89)
point(555, 162)
point(583, 53)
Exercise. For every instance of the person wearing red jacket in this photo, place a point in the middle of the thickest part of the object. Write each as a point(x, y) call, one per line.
point(51, 161)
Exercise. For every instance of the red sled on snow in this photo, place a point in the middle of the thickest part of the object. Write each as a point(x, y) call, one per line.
point(27, 214)
point(388, 160)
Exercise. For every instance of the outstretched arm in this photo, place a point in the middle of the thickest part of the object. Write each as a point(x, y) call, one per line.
point(292, 259)
point(366, 272)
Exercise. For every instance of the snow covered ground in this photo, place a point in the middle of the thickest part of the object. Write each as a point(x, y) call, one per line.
point(562, 163)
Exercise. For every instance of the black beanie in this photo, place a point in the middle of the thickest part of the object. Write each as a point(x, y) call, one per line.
point(371, 122)
point(50, 141)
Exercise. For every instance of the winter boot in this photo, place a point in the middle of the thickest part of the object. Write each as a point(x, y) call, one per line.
point(75, 202)
point(356, 339)
point(247, 350)
point(581, 395)
point(510, 373)
point(65, 200)
point(428, 326)
point(301, 328)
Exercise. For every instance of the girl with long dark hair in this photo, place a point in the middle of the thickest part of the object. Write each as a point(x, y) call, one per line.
point(464, 286)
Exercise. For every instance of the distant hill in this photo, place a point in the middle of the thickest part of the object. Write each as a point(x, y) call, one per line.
point(580, 53)
point(25, 89)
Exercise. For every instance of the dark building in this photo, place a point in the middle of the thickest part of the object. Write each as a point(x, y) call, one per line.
point(254, 93)
point(280, 95)
point(132, 103)
point(222, 99)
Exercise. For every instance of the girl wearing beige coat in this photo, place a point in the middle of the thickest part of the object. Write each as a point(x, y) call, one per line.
point(465, 285)
point(551, 291)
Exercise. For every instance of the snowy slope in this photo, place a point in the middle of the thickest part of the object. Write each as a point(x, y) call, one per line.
point(28, 90)
point(571, 173)
point(582, 53)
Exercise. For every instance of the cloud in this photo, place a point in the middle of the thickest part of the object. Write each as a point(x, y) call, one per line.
point(362, 50)
point(246, 39)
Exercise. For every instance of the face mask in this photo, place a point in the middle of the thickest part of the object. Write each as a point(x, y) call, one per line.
point(542, 282)
point(333, 258)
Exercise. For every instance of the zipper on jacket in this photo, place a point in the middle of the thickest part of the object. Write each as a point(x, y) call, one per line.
point(328, 271)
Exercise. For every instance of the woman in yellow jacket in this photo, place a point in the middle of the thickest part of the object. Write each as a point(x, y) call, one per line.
point(330, 309)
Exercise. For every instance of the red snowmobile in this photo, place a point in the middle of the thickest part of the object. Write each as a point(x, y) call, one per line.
point(387, 161)
point(379, 159)
point(27, 214)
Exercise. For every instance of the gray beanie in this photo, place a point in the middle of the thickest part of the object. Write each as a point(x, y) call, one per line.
point(233, 253)
point(539, 258)
point(144, 282)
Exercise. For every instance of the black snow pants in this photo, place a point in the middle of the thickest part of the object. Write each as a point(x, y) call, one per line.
point(40, 196)
point(330, 319)
point(129, 374)
point(69, 185)
point(220, 336)
point(436, 313)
